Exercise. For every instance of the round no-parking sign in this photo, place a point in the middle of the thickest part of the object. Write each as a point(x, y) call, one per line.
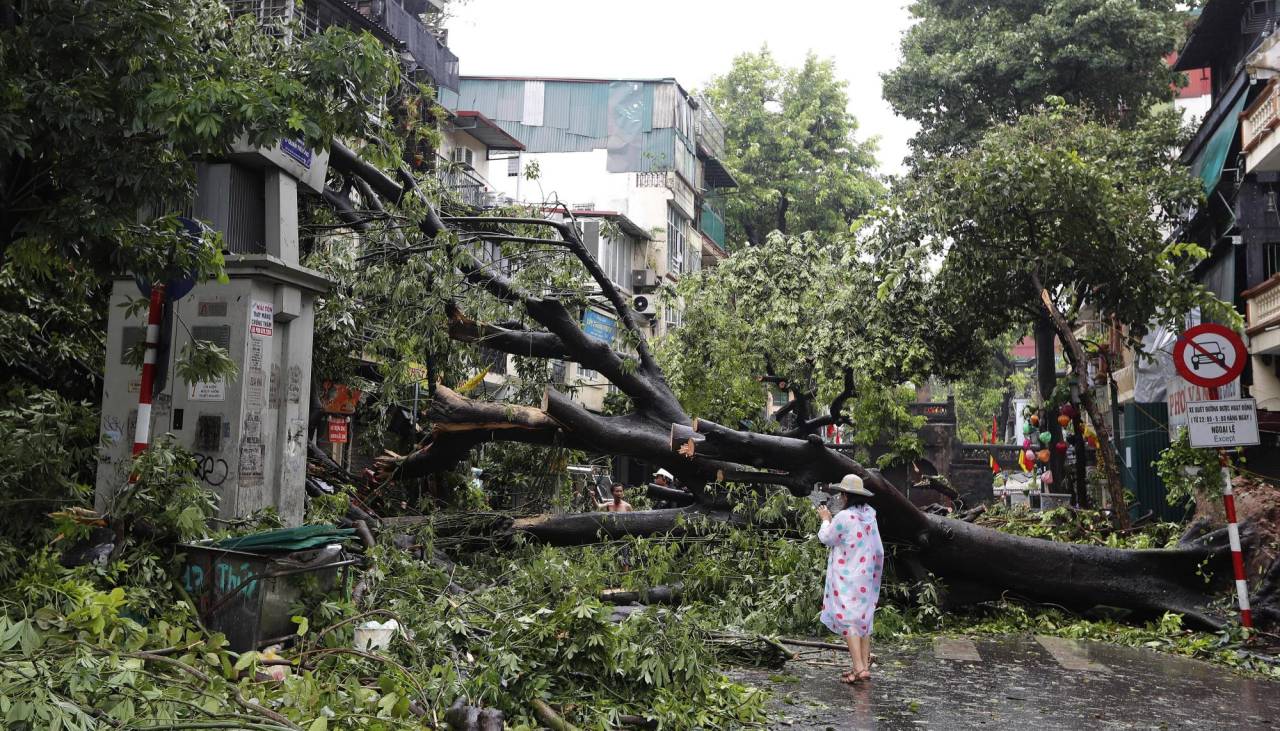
point(1209, 355)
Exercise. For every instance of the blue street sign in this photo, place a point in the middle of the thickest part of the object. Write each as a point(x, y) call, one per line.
point(599, 326)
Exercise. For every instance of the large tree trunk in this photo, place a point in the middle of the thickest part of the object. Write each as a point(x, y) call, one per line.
point(1106, 450)
point(978, 564)
point(700, 452)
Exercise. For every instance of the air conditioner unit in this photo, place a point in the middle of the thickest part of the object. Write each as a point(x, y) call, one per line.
point(464, 156)
point(645, 304)
point(643, 280)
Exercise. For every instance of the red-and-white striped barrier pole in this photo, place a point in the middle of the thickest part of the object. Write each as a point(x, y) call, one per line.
point(1233, 534)
point(1237, 557)
point(142, 430)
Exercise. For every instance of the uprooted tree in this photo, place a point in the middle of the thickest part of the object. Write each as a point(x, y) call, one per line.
point(976, 563)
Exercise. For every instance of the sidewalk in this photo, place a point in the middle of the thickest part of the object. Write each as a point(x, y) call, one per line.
point(1017, 682)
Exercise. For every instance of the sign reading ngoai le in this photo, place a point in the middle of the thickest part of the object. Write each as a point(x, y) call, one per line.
point(1222, 424)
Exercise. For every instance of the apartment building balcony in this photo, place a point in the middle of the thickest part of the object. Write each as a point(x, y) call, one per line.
point(708, 129)
point(427, 49)
point(711, 223)
point(1263, 320)
point(463, 182)
point(394, 22)
point(1259, 137)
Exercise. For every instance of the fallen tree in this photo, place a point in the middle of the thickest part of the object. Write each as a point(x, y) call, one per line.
point(975, 563)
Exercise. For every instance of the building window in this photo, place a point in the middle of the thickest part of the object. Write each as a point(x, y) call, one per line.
point(616, 260)
point(586, 374)
point(674, 317)
point(1271, 260)
point(675, 240)
point(513, 167)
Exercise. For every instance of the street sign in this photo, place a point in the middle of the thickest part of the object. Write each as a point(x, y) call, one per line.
point(182, 282)
point(1209, 355)
point(1223, 424)
point(337, 430)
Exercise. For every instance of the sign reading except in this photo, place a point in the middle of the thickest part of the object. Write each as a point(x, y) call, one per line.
point(1181, 393)
point(1222, 424)
point(1209, 355)
point(337, 430)
point(261, 318)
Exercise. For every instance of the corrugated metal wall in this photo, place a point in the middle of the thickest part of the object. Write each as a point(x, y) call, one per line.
point(1146, 434)
point(575, 118)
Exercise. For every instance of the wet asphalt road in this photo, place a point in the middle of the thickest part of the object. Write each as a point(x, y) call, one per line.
point(1017, 682)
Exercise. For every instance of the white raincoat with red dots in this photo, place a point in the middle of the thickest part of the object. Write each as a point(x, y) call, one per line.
point(854, 569)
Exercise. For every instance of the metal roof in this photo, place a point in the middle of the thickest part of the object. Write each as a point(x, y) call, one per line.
point(716, 174)
point(626, 224)
point(1217, 24)
point(485, 130)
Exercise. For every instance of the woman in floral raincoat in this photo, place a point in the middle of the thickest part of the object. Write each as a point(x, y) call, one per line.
point(855, 566)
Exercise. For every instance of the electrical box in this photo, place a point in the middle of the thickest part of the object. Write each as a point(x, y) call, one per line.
point(248, 431)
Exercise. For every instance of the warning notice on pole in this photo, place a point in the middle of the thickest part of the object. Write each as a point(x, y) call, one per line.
point(337, 430)
point(261, 318)
point(1221, 424)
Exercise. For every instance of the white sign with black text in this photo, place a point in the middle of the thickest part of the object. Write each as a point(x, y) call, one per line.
point(1223, 423)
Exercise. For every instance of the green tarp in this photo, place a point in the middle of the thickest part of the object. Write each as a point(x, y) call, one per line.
point(1208, 164)
point(288, 539)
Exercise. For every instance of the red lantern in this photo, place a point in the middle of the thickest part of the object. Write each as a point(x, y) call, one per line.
point(1063, 420)
point(1069, 411)
point(1061, 447)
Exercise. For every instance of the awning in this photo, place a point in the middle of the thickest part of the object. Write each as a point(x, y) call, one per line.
point(485, 130)
point(1213, 156)
point(717, 175)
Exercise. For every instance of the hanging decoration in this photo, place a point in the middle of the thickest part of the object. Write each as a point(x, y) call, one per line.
point(1047, 477)
point(1061, 447)
point(1063, 420)
point(1045, 437)
point(1043, 456)
point(1027, 458)
point(1035, 420)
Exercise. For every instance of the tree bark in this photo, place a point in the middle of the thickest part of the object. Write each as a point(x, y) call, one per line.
point(1080, 364)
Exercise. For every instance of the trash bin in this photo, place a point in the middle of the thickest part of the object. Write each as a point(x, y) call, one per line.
point(249, 597)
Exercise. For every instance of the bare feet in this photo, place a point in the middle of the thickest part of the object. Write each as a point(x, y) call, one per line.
point(863, 676)
point(849, 677)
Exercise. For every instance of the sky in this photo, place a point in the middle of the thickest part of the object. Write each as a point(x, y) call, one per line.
point(691, 41)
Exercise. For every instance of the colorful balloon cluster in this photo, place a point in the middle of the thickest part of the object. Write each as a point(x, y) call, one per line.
point(1067, 416)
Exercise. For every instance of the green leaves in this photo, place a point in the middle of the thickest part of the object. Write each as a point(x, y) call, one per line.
point(1082, 204)
point(968, 67)
point(790, 143)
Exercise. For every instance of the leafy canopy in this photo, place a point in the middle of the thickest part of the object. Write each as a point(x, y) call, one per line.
point(968, 66)
point(790, 143)
point(1081, 206)
point(812, 305)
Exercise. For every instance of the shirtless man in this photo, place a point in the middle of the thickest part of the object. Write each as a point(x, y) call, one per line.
point(618, 505)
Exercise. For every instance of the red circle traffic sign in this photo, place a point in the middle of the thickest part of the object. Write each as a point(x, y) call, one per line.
point(1209, 355)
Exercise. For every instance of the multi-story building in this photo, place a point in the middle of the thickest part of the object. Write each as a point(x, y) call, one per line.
point(637, 161)
point(1236, 154)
